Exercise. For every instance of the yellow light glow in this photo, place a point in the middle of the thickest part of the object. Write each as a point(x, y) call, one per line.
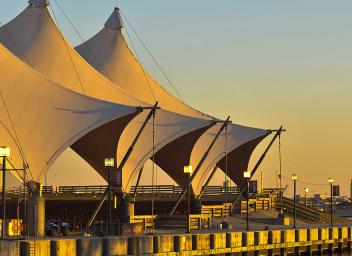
point(40, 190)
point(187, 169)
point(115, 202)
point(331, 180)
point(294, 177)
point(306, 190)
point(246, 174)
point(4, 151)
point(109, 162)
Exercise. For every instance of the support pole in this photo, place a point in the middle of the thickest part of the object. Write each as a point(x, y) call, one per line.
point(247, 212)
point(331, 205)
point(188, 203)
point(225, 123)
point(294, 203)
point(243, 188)
point(109, 199)
point(207, 182)
point(3, 197)
point(122, 164)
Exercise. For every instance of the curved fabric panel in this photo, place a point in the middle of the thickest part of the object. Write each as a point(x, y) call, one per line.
point(108, 52)
point(237, 136)
point(101, 143)
point(238, 160)
point(40, 119)
point(34, 37)
point(168, 127)
point(172, 161)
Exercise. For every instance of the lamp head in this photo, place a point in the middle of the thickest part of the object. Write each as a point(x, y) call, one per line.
point(306, 190)
point(294, 177)
point(4, 151)
point(331, 180)
point(109, 162)
point(246, 174)
point(187, 169)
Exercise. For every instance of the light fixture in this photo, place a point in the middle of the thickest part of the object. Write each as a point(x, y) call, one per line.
point(306, 190)
point(331, 180)
point(109, 162)
point(294, 177)
point(187, 169)
point(4, 151)
point(246, 174)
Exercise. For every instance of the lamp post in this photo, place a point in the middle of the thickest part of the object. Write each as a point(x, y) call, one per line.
point(188, 171)
point(247, 177)
point(4, 152)
point(331, 181)
point(305, 196)
point(294, 178)
point(109, 162)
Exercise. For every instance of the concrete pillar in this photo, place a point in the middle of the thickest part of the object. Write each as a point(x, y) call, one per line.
point(163, 243)
point(24, 248)
point(8, 247)
point(127, 210)
point(36, 216)
point(63, 247)
point(89, 247)
point(195, 242)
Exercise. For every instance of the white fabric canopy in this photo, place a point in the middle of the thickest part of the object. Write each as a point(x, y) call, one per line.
point(108, 52)
point(40, 119)
point(34, 37)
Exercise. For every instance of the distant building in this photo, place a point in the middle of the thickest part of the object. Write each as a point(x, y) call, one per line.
point(253, 186)
point(336, 190)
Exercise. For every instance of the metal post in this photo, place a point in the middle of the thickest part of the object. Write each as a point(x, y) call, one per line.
point(280, 178)
point(294, 203)
point(188, 202)
point(109, 200)
point(247, 205)
point(305, 197)
point(331, 207)
point(3, 197)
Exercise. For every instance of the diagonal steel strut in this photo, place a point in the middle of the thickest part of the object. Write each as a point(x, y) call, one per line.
point(244, 187)
point(225, 123)
point(123, 162)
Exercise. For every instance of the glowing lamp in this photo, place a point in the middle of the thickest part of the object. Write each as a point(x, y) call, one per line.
point(294, 177)
point(246, 174)
point(187, 169)
point(4, 151)
point(109, 162)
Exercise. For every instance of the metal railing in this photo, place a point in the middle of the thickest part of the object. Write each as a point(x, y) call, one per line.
point(147, 189)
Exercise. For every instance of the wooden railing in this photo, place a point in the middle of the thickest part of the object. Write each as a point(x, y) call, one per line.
point(258, 204)
point(196, 221)
point(147, 220)
point(216, 211)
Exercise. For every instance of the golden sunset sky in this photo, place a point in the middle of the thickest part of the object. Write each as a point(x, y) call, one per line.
point(265, 63)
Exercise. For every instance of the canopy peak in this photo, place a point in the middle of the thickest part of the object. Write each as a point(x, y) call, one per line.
point(115, 20)
point(39, 3)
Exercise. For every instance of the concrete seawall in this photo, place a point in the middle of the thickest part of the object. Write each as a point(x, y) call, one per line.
point(267, 242)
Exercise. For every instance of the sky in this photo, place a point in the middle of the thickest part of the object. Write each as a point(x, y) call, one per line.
point(264, 63)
